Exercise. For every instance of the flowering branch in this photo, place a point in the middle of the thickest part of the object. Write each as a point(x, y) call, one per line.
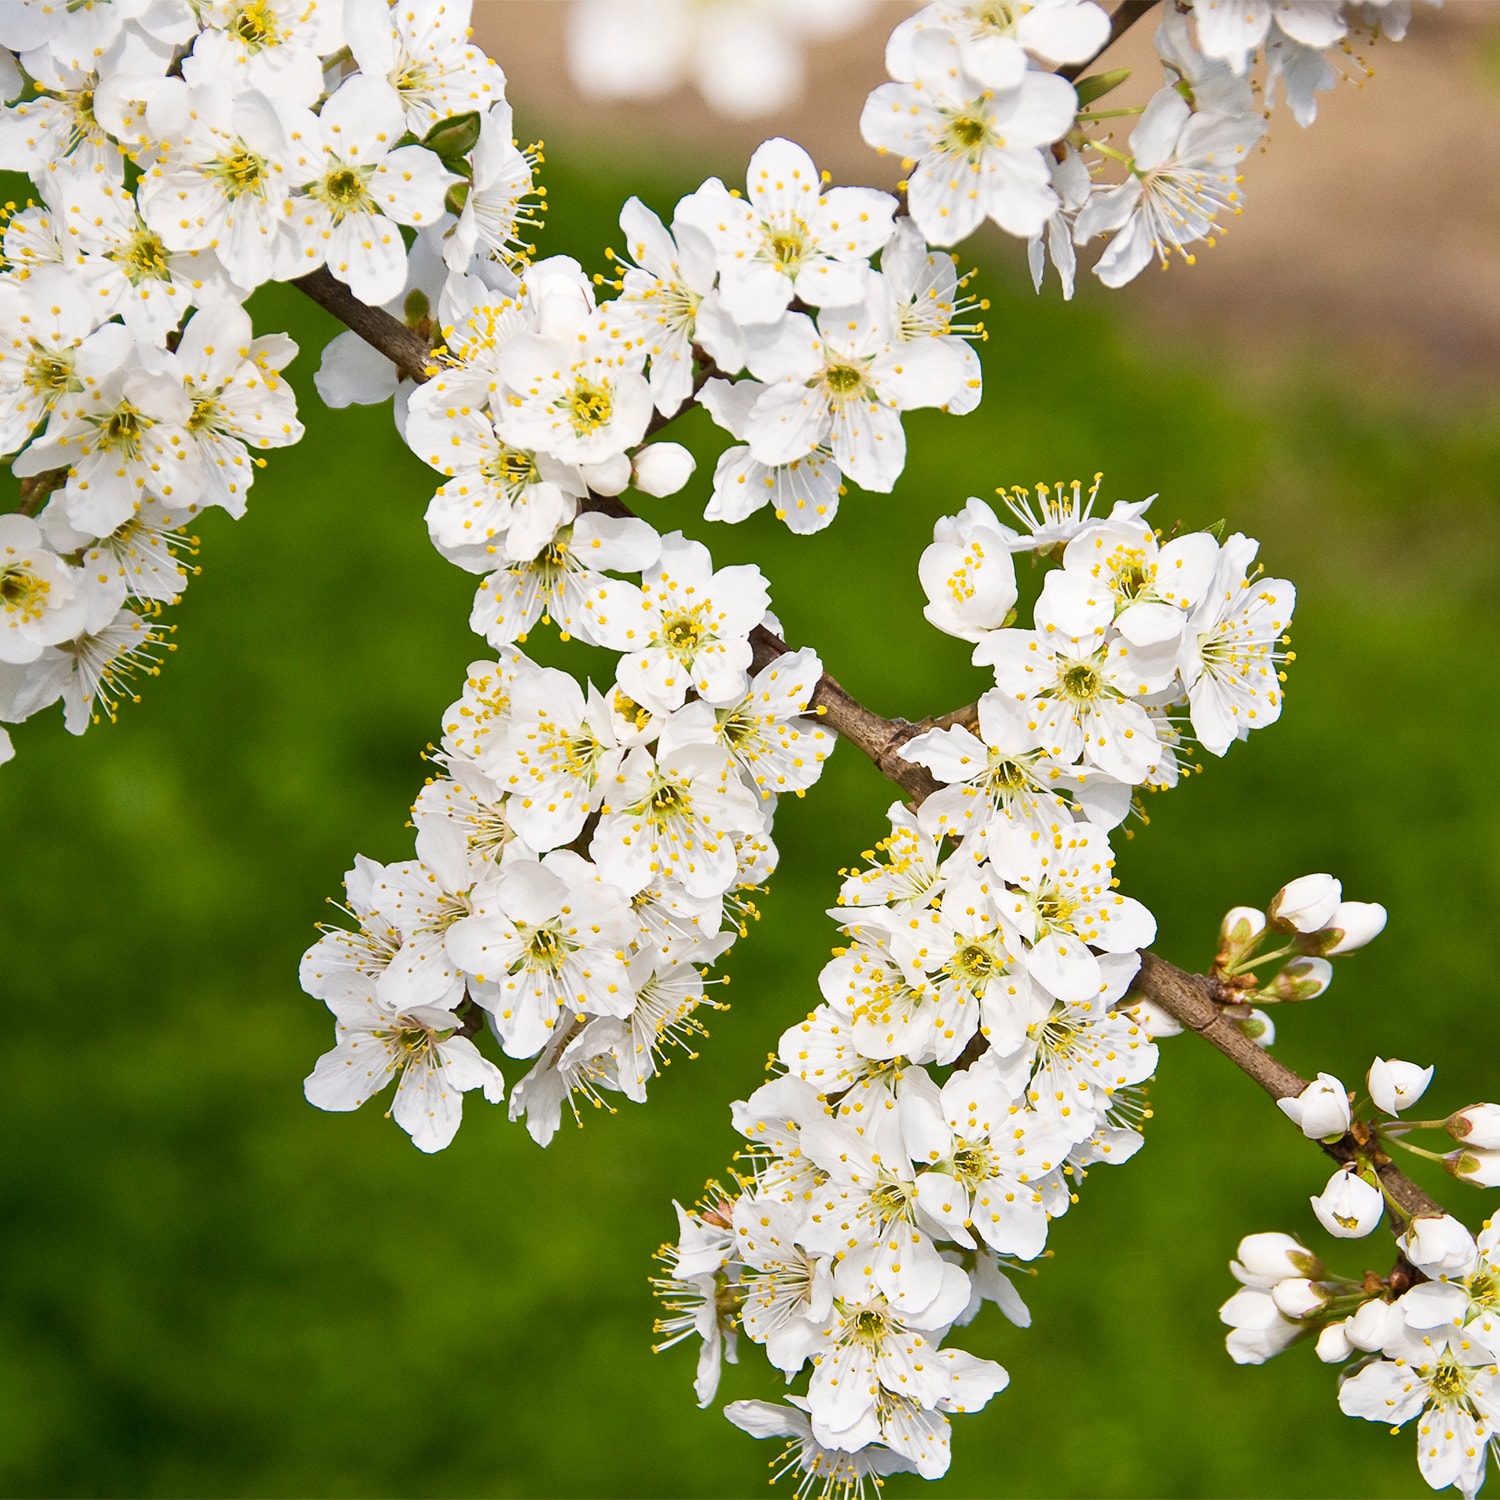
point(1190, 999)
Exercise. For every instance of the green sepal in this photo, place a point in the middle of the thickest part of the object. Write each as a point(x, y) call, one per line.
point(454, 138)
point(455, 198)
point(1097, 85)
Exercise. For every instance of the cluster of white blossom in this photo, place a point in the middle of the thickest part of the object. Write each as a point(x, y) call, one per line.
point(976, 1048)
point(541, 395)
point(1423, 1341)
point(183, 153)
point(584, 860)
point(988, 129)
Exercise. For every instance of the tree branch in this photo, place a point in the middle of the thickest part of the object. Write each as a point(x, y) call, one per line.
point(1190, 999)
point(404, 347)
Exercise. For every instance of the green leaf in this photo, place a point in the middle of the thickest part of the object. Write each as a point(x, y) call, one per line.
point(1097, 85)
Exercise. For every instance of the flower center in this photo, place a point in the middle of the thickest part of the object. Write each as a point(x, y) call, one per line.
point(143, 258)
point(631, 711)
point(667, 801)
point(1055, 910)
point(512, 468)
point(999, 16)
point(683, 634)
point(205, 408)
point(973, 1162)
point(23, 593)
point(588, 406)
point(121, 431)
point(239, 173)
point(738, 730)
point(546, 950)
point(967, 133)
point(46, 371)
point(786, 245)
point(254, 24)
point(869, 1327)
point(1450, 1381)
point(843, 379)
point(1082, 682)
point(975, 963)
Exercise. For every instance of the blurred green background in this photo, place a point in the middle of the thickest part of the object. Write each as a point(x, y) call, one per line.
point(210, 1288)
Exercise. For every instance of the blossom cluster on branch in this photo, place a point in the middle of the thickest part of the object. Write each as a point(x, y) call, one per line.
point(586, 853)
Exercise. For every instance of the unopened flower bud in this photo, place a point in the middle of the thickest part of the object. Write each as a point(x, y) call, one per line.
point(1333, 1346)
point(1374, 1326)
point(1475, 1164)
point(1348, 1207)
point(1302, 979)
point(1439, 1245)
point(1259, 1330)
point(609, 476)
point(1356, 923)
point(1321, 1110)
point(1297, 1297)
point(1241, 926)
point(1264, 1259)
point(1306, 905)
point(1478, 1125)
point(1396, 1085)
point(663, 468)
point(1259, 1027)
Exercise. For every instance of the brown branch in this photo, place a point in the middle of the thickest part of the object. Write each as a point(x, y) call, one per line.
point(1190, 999)
point(35, 489)
point(404, 347)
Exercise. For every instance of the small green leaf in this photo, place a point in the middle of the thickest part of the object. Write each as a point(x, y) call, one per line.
point(1097, 85)
point(416, 308)
point(454, 138)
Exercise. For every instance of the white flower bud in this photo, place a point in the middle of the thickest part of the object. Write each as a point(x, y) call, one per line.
point(1297, 1297)
point(1239, 929)
point(1250, 1307)
point(1265, 1259)
point(609, 476)
point(1375, 1325)
point(1396, 1085)
point(1306, 905)
point(1475, 1164)
point(1302, 979)
point(1259, 1328)
point(1348, 1207)
point(1478, 1125)
point(1254, 1346)
point(1260, 1028)
point(663, 468)
point(1439, 1245)
point(1357, 922)
point(1321, 1110)
point(1333, 1346)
